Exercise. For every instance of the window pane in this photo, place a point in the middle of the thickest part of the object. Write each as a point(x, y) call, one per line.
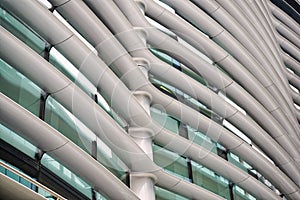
point(66, 123)
point(171, 162)
point(164, 120)
point(16, 141)
point(19, 88)
point(202, 140)
point(66, 175)
point(207, 179)
point(240, 194)
point(162, 194)
point(20, 31)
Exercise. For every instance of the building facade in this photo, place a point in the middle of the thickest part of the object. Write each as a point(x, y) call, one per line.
point(149, 99)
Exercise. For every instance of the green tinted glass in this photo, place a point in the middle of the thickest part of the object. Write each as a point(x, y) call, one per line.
point(237, 162)
point(65, 122)
point(162, 194)
point(66, 175)
point(164, 120)
point(171, 162)
point(19, 88)
point(16, 141)
point(240, 194)
point(202, 140)
point(207, 179)
point(21, 32)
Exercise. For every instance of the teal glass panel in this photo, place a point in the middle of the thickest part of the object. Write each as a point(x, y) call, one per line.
point(2, 170)
point(25, 182)
point(66, 123)
point(66, 175)
point(162, 194)
point(234, 159)
point(16, 141)
point(46, 194)
point(19, 88)
point(15, 176)
point(164, 120)
point(195, 76)
point(164, 57)
point(186, 99)
point(207, 179)
point(12, 175)
point(21, 32)
point(100, 197)
point(202, 140)
point(111, 161)
point(170, 162)
point(240, 194)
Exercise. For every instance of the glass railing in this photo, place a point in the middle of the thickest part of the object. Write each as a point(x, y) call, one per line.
point(209, 180)
point(162, 194)
point(67, 175)
point(67, 124)
point(19, 88)
point(164, 120)
point(240, 194)
point(201, 139)
point(19, 30)
point(17, 141)
point(171, 162)
point(28, 182)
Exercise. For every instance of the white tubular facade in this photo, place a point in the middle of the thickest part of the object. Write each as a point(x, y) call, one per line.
point(151, 99)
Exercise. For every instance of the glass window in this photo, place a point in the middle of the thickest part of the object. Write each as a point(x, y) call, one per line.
point(111, 161)
point(234, 159)
point(19, 88)
point(165, 120)
point(16, 141)
point(241, 194)
point(171, 162)
point(22, 32)
point(66, 123)
point(166, 58)
point(202, 140)
point(209, 180)
point(70, 71)
point(162, 194)
point(15, 176)
point(66, 175)
point(195, 76)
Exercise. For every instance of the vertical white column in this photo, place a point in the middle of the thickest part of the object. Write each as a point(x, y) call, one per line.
point(142, 183)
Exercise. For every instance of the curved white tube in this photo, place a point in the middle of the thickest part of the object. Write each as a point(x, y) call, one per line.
point(185, 31)
point(230, 22)
point(284, 18)
point(187, 10)
point(70, 93)
point(131, 37)
point(119, 142)
point(59, 147)
point(260, 22)
point(134, 16)
point(287, 33)
point(269, 88)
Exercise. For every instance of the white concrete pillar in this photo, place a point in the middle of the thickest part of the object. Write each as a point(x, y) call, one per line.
point(142, 183)
point(143, 137)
